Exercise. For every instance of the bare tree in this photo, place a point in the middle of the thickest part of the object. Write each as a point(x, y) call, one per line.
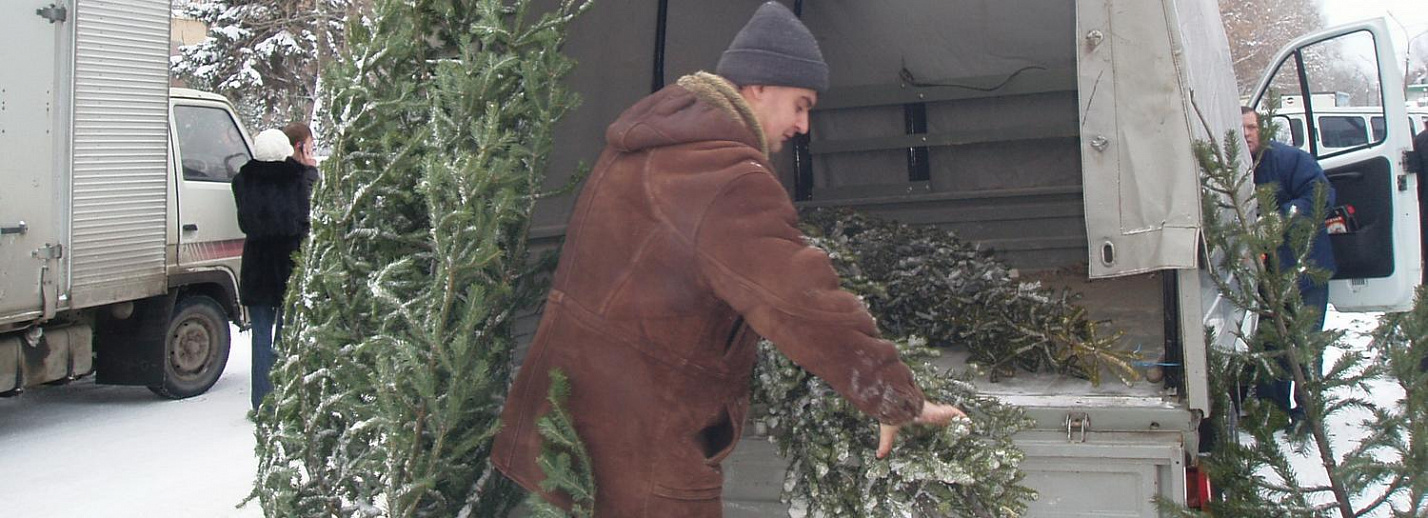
point(1258, 28)
point(1415, 67)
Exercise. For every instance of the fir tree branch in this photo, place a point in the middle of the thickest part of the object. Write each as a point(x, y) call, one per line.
point(1276, 301)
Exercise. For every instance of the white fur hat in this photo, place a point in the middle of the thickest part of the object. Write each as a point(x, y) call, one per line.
point(271, 146)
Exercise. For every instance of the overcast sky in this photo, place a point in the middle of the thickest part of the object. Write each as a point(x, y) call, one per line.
point(1412, 14)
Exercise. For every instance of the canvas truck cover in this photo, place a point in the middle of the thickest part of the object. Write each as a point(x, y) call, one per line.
point(1144, 68)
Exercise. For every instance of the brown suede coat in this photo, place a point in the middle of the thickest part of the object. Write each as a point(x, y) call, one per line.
point(682, 250)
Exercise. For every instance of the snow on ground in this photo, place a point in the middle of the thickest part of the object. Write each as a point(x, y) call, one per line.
point(1345, 431)
point(95, 450)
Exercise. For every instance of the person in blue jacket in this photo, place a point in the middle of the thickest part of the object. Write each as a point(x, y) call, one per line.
point(1295, 174)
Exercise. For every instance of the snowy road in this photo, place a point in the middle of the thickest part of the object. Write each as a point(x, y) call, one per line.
point(92, 450)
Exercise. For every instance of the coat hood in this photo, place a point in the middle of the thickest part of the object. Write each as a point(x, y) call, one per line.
point(700, 107)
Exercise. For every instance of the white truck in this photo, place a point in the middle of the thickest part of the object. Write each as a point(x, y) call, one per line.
point(119, 244)
point(1059, 133)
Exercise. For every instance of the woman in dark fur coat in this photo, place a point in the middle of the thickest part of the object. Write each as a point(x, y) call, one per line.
point(272, 193)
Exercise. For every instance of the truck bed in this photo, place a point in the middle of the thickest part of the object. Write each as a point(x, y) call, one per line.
point(1132, 305)
point(754, 472)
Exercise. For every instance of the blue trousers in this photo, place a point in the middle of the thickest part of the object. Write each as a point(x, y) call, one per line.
point(1281, 392)
point(267, 327)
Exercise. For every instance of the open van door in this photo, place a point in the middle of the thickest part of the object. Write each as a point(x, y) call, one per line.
point(1378, 257)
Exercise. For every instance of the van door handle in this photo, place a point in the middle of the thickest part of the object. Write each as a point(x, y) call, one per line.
point(21, 229)
point(1347, 175)
point(190, 227)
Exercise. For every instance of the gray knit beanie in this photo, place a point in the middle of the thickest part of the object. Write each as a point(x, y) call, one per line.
point(774, 49)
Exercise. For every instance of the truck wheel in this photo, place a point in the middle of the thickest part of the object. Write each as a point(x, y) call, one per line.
point(195, 348)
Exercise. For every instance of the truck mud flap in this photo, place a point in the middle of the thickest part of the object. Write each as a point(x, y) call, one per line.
point(129, 346)
point(12, 361)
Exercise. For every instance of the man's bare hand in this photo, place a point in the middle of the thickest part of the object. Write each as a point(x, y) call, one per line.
point(932, 413)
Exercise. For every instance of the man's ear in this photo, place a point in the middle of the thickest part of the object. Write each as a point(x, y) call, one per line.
point(752, 91)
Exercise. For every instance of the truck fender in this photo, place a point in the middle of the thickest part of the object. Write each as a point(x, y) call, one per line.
point(218, 283)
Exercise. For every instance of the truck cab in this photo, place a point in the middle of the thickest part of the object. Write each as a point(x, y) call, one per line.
point(119, 245)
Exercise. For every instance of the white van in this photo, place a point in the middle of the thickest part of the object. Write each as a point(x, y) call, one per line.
point(1339, 128)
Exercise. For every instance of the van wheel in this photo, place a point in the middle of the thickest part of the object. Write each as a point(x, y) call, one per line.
point(195, 348)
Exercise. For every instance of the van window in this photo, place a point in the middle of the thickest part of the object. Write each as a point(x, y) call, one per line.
point(1289, 131)
point(1376, 124)
point(1342, 131)
point(211, 149)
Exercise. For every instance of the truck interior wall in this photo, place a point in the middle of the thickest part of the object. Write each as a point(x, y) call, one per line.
point(998, 89)
point(998, 103)
point(612, 71)
point(1018, 194)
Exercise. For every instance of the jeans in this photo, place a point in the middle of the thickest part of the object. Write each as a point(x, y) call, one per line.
point(267, 326)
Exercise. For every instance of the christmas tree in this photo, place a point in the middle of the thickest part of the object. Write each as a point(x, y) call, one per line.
point(563, 459)
point(919, 283)
point(969, 468)
point(397, 353)
point(924, 281)
point(1254, 442)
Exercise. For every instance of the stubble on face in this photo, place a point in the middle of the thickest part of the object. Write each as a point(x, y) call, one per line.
point(782, 112)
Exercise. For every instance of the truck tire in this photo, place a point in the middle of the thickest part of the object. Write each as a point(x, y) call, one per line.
point(195, 348)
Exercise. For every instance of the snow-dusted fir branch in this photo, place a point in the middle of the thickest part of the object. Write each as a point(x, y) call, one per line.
point(968, 469)
point(398, 350)
point(932, 284)
point(563, 459)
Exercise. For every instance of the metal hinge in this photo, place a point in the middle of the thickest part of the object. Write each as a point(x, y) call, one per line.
point(48, 293)
point(49, 252)
point(1403, 182)
point(53, 12)
point(1076, 426)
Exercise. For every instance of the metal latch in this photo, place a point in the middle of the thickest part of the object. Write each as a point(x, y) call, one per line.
point(1403, 182)
point(1076, 426)
point(21, 229)
point(53, 12)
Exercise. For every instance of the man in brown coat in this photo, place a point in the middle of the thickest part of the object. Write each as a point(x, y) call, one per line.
point(682, 250)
